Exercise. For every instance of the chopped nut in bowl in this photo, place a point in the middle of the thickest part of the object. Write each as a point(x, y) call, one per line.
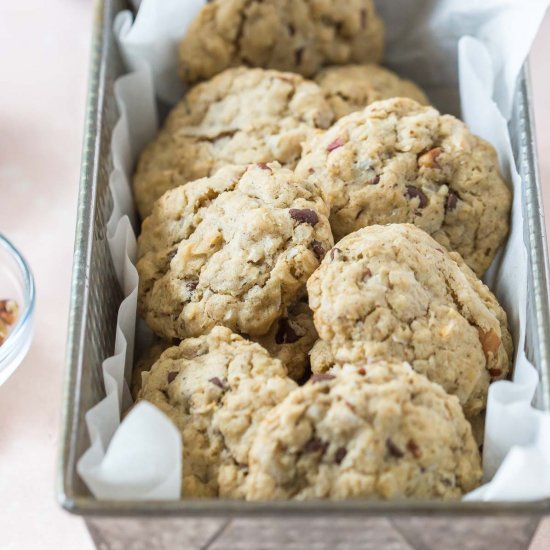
point(17, 297)
point(8, 316)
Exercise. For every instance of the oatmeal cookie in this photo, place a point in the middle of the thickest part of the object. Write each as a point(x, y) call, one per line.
point(385, 432)
point(400, 162)
point(393, 293)
point(289, 35)
point(235, 249)
point(241, 116)
point(351, 88)
point(216, 389)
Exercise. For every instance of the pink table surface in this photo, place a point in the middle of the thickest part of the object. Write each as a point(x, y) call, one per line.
point(45, 50)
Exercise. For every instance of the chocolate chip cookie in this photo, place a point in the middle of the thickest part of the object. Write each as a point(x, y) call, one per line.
point(289, 35)
point(401, 162)
point(351, 88)
point(216, 389)
point(235, 249)
point(393, 293)
point(239, 117)
point(291, 338)
point(385, 432)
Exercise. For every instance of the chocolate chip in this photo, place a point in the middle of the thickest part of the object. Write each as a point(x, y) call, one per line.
point(315, 444)
point(362, 371)
point(413, 448)
point(171, 376)
point(375, 180)
point(495, 372)
point(393, 449)
point(191, 286)
point(338, 142)
point(217, 382)
point(285, 333)
point(321, 378)
point(363, 18)
point(304, 215)
point(487, 251)
point(298, 54)
point(172, 254)
point(415, 193)
point(335, 254)
point(318, 248)
point(311, 170)
point(340, 454)
point(263, 166)
point(452, 199)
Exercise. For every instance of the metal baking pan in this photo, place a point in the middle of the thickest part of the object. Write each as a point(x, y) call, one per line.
point(95, 298)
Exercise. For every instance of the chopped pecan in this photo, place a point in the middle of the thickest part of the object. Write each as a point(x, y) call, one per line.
point(490, 342)
point(429, 159)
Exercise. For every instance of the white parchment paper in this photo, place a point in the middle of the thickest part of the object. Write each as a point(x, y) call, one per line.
point(467, 55)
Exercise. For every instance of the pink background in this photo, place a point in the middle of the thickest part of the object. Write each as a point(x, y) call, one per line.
point(44, 62)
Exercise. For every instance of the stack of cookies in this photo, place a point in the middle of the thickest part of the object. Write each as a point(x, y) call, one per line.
point(313, 238)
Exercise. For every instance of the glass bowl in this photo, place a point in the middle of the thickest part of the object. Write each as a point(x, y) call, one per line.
point(16, 283)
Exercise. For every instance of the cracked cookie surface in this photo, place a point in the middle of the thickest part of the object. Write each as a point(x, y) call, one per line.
point(291, 338)
point(383, 432)
point(235, 249)
point(392, 292)
point(399, 162)
point(351, 88)
point(241, 116)
point(291, 35)
point(216, 389)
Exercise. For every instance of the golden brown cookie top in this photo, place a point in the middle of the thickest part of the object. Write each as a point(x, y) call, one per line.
point(235, 249)
point(401, 162)
point(289, 35)
point(238, 117)
point(393, 293)
point(386, 432)
point(216, 389)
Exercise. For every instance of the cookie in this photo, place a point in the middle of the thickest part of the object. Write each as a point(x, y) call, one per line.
point(289, 35)
point(235, 249)
point(144, 364)
point(216, 389)
point(241, 116)
point(291, 338)
point(385, 432)
point(401, 162)
point(351, 88)
point(393, 293)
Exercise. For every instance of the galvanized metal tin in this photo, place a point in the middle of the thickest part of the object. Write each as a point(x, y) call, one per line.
point(95, 299)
